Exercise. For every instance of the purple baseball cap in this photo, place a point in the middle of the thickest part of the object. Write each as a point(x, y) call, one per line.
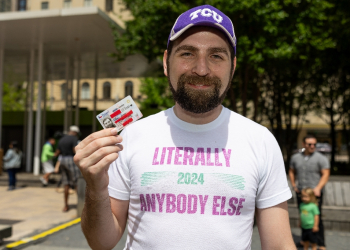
point(204, 15)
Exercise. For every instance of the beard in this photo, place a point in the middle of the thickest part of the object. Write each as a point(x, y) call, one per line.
point(198, 100)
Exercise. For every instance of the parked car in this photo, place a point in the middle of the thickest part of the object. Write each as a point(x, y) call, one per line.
point(323, 147)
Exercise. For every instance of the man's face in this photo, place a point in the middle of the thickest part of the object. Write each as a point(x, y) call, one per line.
point(52, 141)
point(107, 123)
point(310, 145)
point(200, 69)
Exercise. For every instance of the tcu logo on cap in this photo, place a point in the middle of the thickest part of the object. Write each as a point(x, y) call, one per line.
point(206, 13)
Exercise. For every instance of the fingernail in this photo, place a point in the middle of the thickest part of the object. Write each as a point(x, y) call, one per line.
point(114, 131)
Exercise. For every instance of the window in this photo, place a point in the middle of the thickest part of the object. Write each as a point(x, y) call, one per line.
point(109, 5)
point(107, 90)
point(5, 5)
point(63, 91)
point(44, 5)
point(87, 3)
point(85, 91)
point(67, 4)
point(129, 88)
point(22, 5)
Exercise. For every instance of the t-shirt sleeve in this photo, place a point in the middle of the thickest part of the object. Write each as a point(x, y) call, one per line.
point(324, 162)
point(118, 172)
point(316, 210)
point(273, 186)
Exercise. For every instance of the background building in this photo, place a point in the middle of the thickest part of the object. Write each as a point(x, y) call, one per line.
point(61, 50)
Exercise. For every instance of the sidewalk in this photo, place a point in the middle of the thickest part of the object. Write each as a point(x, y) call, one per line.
point(31, 210)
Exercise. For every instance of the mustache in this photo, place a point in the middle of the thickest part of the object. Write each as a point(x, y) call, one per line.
point(202, 80)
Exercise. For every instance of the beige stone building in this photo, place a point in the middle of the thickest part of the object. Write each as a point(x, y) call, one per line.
point(109, 89)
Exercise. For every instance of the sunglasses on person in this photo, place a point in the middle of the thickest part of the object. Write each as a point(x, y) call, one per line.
point(311, 144)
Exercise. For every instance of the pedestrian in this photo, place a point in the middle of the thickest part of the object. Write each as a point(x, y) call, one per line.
point(70, 172)
point(47, 154)
point(311, 169)
point(309, 218)
point(12, 162)
point(192, 176)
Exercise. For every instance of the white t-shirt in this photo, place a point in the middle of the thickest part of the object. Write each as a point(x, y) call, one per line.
point(196, 186)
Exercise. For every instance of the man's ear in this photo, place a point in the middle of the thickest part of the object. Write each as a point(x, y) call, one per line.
point(234, 65)
point(165, 66)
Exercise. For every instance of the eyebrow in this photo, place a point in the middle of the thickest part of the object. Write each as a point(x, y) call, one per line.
point(218, 50)
point(186, 47)
point(194, 49)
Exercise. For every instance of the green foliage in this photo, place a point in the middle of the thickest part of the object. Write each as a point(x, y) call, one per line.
point(283, 49)
point(157, 93)
point(13, 97)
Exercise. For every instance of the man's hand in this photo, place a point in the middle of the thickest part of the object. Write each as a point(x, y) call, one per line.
point(94, 155)
point(317, 191)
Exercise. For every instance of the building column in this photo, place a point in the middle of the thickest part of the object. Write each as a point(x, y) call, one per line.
point(70, 92)
point(38, 112)
point(1, 89)
point(95, 94)
point(78, 65)
point(65, 129)
point(30, 112)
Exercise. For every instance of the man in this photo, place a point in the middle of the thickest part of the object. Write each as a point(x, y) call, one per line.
point(108, 123)
point(195, 178)
point(70, 172)
point(47, 154)
point(311, 169)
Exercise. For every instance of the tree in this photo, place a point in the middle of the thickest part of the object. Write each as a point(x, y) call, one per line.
point(278, 49)
point(156, 92)
point(13, 97)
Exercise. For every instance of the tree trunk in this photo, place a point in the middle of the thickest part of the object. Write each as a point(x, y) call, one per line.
point(333, 136)
point(347, 140)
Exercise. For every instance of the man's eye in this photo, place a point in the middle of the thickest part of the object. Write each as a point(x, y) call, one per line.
point(217, 56)
point(186, 54)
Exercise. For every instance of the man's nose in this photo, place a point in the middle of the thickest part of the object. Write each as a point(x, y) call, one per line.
point(201, 67)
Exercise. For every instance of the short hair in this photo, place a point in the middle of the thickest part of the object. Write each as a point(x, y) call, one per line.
point(310, 192)
point(308, 137)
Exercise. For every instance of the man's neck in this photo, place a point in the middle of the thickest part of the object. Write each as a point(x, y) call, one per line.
point(306, 153)
point(193, 118)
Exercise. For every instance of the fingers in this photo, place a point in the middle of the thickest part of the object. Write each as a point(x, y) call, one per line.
point(98, 143)
point(99, 155)
point(96, 135)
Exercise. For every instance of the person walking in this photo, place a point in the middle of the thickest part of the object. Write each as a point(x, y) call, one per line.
point(311, 169)
point(47, 154)
point(192, 176)
point(12, 162)
point(70, 172)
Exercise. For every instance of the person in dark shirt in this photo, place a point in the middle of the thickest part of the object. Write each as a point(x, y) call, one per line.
point(70, 171)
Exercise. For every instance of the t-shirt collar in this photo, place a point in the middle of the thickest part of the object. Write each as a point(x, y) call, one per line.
point(198, 127)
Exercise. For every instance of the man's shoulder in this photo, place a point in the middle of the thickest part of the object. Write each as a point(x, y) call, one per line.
point(297, 155)
point(319, 155)
point(244, 122)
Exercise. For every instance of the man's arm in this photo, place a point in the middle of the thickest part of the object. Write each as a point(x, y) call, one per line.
point(103, 221)
point(324, 179)
point(274, 228)
point(292, 178)
point(94, 154)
